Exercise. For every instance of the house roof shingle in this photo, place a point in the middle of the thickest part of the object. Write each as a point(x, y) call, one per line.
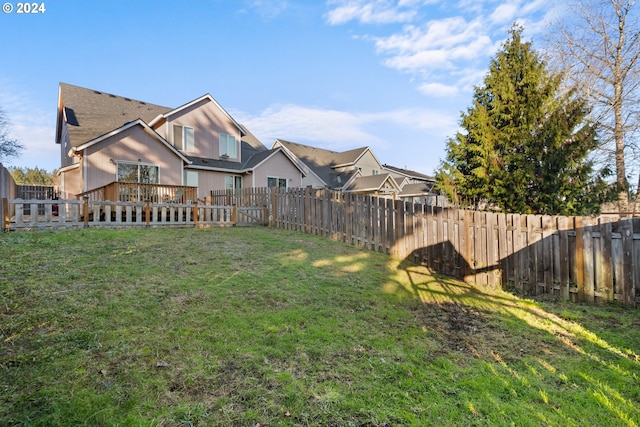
point(323, 162)
point(414, 190)
point(91, 113)
point(409, 173)
point(371, 183)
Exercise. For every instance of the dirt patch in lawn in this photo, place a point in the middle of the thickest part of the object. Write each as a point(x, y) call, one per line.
point(467, 330)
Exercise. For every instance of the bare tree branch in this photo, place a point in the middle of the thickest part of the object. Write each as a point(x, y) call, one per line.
point(8, 147)
point(598, 47)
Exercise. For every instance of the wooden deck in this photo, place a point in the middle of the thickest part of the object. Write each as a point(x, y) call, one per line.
point(134, 192)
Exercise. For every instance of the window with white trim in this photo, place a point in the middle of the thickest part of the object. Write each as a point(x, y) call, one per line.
point(228, 146)
point(232, 182)
point(137, 172)
point(190, 178)
point(276, 182)
point(183, 138)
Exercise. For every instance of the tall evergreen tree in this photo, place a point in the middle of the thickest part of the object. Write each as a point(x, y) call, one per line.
point(526, 144)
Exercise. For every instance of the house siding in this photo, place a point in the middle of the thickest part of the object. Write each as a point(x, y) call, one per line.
point(208, 122)
point(279, 166)
point(65, 147)
point(70, 183)
point(96, 162)
point(209, 180)
point(311, 180)
point(367, 162)
point(130, 145)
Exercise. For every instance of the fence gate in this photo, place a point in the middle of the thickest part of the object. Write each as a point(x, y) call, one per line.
point(251, 215)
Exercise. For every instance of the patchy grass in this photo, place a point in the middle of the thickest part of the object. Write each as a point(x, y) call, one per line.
point(253, 326)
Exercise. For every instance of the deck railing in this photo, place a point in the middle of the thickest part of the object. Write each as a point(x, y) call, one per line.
point(135, 192)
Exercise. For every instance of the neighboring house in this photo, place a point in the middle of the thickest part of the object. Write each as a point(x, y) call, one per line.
point(416, 187)
point(356, 171)
point(106, 138)
point(331, 169)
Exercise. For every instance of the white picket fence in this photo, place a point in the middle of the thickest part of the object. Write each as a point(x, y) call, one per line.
point(56, 214)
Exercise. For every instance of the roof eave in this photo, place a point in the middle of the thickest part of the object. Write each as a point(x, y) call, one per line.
point(124, 127)
point(195, 101)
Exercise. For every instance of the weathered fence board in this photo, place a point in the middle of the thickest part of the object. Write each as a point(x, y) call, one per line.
point(578, 258)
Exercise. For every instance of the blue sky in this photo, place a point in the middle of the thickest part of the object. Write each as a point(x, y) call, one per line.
point(393, 75)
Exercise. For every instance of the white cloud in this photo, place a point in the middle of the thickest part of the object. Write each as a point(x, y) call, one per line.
point(437, 45)
point(294, 122)
point(448, 47)
point(339, 130)
point(505, 13)
point(438, 90)
point(267, 9)
point(370, 12)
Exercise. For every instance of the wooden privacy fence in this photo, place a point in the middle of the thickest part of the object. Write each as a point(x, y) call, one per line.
point(580, 258)
point(590, 259)
point(94, 213)
point(241, 197)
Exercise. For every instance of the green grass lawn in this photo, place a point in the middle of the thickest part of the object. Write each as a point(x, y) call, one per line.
point(256, 326)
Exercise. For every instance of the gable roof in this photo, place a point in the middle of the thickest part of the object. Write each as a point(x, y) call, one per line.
point(324, 162)
point(409, 173)
point(350, 157)
point(259, 158)
point(254, 158)
point(251, 140)
point(371, 183)
point(90, 114)
point(415, 190)
point(206, 97)
point(126, 126)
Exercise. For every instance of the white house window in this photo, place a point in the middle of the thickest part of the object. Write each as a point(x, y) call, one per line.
point(276, 182)
point(232, 182)
point(228, 146)
point(190, 178)
point(137, 172)
point(375, 172)
point(183, 138)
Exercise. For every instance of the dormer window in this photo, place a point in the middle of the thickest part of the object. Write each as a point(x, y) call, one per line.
point(228, 146)
point(183, 138)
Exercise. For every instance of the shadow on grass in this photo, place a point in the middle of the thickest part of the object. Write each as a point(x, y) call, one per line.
point(529, 350)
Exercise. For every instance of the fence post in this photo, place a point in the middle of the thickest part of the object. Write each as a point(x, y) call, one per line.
point(579, 259)
point(147, 212)
point(307, 210)
point(86, 210)
point(5, 214)
point(628, 288)
point(274, 206)
point(347, 217)
point(194, 215)
point(234, 214)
